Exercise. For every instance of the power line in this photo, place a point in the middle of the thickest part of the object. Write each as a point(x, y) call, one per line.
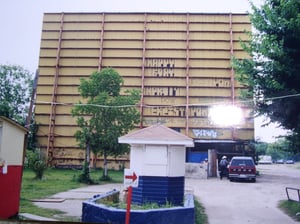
point(154, 106)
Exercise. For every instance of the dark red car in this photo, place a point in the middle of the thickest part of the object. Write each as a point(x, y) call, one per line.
point(242, 167)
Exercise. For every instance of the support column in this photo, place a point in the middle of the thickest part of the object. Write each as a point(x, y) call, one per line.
point(51, 135)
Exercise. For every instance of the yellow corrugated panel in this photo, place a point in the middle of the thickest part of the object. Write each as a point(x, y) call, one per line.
point(90, 35)
point(132, 81)
point(79, 53)
point(68, 153)
point(129, 71)
point(122, 53)
point(66, 120)
point(49, 44)
point(208, 27)
point(166, 53)
point(124, 26)
point(46, 71)
point(210, 92)
point(163, 35)
point(208, 101)
point(209, 72)
point(116, 17)
point(124, 35)
point(44, 90)
point(50, 35)
point(61, 142)
point(52, 17)
point(222, 54)
point(64, 109)
point(240, 54)
point(167, 121)
point(209, 63)
point(166, 26)
point(43, 98)
point(43, 119)
point(123, 44)
point(202, 36)
point(209, 45)
point(48, 53)
point(83, 17)
point(69, 99)
point(68, 90)
point(241, 18)
point(124, 62)
point(165, 44)
point(77, 61)
point(51, 26)
point(245, 134)
point(166, 100)
point(168, 17)
point(82, 26)
point(209, 18)
point(77, 71)
point(81, 44)
point(210, 82)
point(164, 82)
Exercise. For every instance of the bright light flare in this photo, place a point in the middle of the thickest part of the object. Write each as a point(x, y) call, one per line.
point(226, 115)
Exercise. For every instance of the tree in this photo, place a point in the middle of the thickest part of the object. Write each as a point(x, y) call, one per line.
point(261, 148)
point(106, 115)
point(272, 72)
point(15, 89)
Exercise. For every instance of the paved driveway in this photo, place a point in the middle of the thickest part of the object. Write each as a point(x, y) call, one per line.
point(225, 202)
point(245, 202)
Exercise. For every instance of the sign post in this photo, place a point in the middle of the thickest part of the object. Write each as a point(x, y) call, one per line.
point(130, 180)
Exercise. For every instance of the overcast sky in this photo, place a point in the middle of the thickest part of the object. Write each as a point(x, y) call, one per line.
point(21, 25)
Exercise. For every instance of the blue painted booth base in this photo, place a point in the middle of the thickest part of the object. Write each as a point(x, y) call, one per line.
point(160, 190)
point(93, 212)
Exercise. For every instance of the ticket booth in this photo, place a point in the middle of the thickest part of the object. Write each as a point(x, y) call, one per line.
point(12, 142)
point(157, 156)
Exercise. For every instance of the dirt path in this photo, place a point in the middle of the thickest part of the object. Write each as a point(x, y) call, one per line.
point(244, 202)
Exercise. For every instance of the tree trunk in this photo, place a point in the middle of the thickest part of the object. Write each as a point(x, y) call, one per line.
point(88, 154)
point(95, 161)
point(105, 163)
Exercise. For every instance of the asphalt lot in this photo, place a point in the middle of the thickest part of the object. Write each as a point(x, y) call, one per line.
point(224, 201)
point(246, 202)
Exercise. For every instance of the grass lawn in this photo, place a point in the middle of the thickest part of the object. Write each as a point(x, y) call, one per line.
point(290, 208)
point(54, 181)
point(59, 180)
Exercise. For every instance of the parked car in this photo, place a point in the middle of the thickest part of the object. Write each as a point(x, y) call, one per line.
point(290, 161)
point(280, 161)
point(265, 160)
point(242, 167)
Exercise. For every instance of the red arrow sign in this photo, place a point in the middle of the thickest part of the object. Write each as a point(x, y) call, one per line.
point(133, 177)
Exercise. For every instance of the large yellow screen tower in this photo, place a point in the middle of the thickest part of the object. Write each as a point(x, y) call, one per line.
point(181, 62)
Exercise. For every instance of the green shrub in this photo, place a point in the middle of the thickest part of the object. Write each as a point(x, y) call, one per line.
point(36, 161)
point(85, 177)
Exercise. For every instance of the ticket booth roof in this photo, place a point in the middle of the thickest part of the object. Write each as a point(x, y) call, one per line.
point(157, 135)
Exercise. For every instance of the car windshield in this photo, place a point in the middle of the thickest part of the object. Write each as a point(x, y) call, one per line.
point(242, 162)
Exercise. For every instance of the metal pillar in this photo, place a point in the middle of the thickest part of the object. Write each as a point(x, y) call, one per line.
point(187, 74)
point(143, 71)
point(51, 136)
point(101, 42)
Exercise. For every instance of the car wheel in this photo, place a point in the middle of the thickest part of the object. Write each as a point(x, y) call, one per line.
point(231, 179)
point(254, 180)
